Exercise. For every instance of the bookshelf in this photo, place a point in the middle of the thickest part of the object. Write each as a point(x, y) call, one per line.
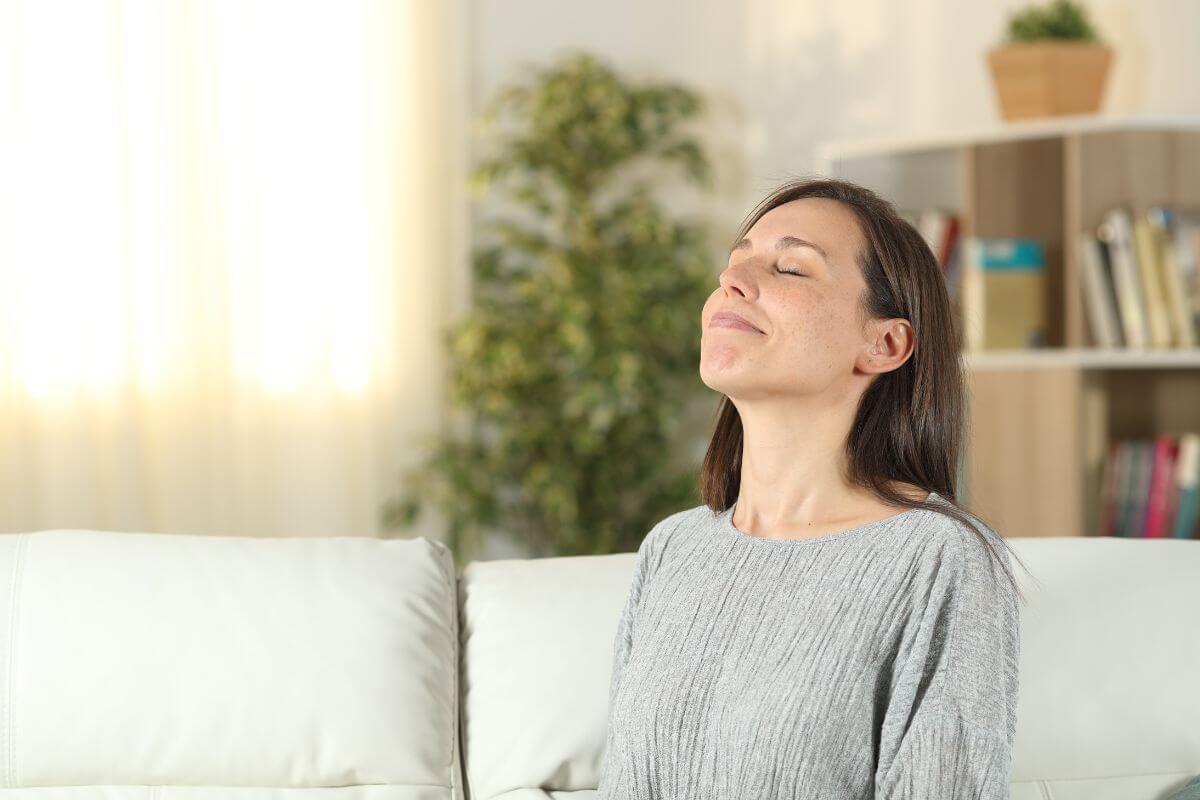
point(1042, 420)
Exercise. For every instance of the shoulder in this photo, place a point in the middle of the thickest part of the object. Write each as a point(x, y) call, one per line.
point(662, 530)
point(655, 542)
point(971, 561)
point(969, 540)
point(671, 534)
point(950, 553)
point(979, 545)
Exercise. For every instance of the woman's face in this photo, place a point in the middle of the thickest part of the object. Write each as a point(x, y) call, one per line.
point(810, 328)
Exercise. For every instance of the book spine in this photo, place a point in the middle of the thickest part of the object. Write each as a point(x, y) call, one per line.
point(1108, 492)
point(1162, 475)
point(1188, 479)
point(1151, 274)
point(1101, 315)
point(1125, 473)
point(1116, 233)
point(1183, 329)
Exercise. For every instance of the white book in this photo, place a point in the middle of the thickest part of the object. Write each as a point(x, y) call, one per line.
point(1185, 246)
point(1116, 232)
point(1147, 256)
point(1098, 294)
point(932, 224)
point(1179, 310)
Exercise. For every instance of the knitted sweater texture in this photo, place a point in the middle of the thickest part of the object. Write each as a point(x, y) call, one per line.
point(878, 662)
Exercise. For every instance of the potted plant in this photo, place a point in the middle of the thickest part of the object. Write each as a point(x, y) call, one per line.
point(570, 372)
point(1051, 63)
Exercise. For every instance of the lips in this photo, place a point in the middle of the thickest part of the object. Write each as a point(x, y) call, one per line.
point(728, 319)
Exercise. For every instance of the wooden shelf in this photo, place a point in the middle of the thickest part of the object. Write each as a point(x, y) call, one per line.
point(1055, 127)
point(1084, 358)
point(1041, 422)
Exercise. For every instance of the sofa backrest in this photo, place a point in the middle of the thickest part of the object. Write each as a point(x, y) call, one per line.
point(146, 665)
point(156, 666)
point(537, 644)
point(1108, 706)
point(1107, 710)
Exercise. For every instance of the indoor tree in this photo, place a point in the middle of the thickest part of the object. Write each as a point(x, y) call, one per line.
point(582, 343)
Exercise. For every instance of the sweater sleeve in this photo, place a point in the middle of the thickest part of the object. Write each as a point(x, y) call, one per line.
point(950, 721)
point(623, 645)
point(623, 641)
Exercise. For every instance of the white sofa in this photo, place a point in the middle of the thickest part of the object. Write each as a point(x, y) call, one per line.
point(141, 666)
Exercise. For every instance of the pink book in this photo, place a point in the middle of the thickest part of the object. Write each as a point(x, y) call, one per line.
point(1157, 511)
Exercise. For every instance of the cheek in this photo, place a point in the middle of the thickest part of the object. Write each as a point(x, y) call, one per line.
point(808, 312)
point(818, 325)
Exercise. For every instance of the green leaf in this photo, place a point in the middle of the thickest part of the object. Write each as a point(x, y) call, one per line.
point(1060, 19)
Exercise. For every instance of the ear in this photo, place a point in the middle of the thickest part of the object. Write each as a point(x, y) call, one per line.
point(889, 344)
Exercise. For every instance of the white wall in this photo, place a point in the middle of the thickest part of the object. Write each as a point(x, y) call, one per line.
point(782, 75)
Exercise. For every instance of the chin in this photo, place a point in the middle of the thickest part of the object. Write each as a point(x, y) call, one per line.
point(720, 377)
point(720, 356)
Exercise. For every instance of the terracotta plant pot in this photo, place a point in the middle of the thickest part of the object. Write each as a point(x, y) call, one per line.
point(1049, 78)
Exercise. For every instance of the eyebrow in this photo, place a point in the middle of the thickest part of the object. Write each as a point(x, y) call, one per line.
point(785, 242)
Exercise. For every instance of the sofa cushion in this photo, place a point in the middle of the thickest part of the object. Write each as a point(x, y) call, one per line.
point(227, 667)
point(1109, 657)
point(537, 651)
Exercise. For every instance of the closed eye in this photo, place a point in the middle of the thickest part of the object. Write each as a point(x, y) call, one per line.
point(790, 272)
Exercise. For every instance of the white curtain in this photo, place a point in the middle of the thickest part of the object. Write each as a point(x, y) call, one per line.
point(224, 260)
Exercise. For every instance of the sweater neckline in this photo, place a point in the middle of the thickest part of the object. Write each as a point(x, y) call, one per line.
point(726, 524)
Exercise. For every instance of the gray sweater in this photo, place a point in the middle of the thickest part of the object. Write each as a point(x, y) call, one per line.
point(878, 662)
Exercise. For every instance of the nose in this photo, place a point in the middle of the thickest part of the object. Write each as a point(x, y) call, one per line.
point(740, 279)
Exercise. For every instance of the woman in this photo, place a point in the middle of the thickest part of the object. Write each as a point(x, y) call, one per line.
point(829, 624)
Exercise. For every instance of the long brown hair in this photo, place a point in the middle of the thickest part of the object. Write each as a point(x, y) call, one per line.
point(911, 420)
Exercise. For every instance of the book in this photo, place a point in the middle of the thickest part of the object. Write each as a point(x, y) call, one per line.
point(1004, 293)
point(1125, 457)
point(933, 224)
point(1141, 495)
point(1185, 247)
point(1187, 480)
point(939, 228)
point(1099, 293)
point(954, 268)
point(948, 242)
point(1161, 224)
point(1140, 278)
point(1162, 474)
point(1145, 253)
point(1116, 232)
point(1150, 488)
point(1110, 478)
